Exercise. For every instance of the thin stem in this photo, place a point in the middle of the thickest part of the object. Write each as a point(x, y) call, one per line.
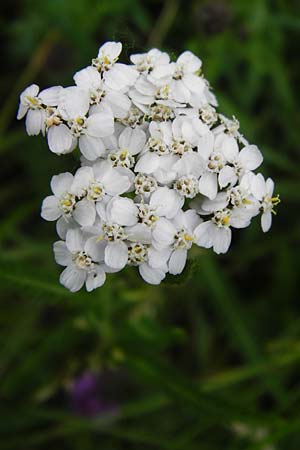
point(164, 23)
point(31, 70)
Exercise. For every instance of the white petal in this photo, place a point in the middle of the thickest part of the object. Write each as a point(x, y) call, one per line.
point(85, 213)
point(102, 169)
point(218, 203)
point(88, 78)
point(228, 146)
point(116, 184)
point(164, 176)
point(122, 211)
point(241, 217)
point(60, 184)
point(194, 83)
point(120, 76)
point(266, 221)
point(191, 62)
point(208, 185)
point(74, 240)
point(119, 103)
point(258, 186)
point(73, 102)
point(82, 179)
point(34, 122)
point(132, 139)
point(139, 233)
point(227, 176)
point(246, 181)
point(164, 232)
point(95, 248)
point(204, 234)
point(191, 163)
point(63, 225)
point(206, 145)
point(22, 110)
point(50, 208)
point(222, 239)
point(148, 163)
point(100, 124)
point(59, 139)
point(192, 219)
point(116, 255)
point(150, 275)
point(250, 157)
point(177, 261)
point(30, 91)
point(95, 279)
point(110, 49)
point(200, 129)
point(61, 254)
point(101, 207)
point(140, 99)
point(158, 258)
point(91, 147)
point(50, 96)
point(187, 219)
point(180, 92)
point(270, 186)
point(72, 278)
point(145, 87)
point(161, 71)
point(166, 202)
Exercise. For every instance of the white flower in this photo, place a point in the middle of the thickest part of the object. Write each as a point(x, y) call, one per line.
point(130, 143)
point(90, 79)
point(239, 196)
point(126, 235)
point(216, 233)
point(225, 164)
point(117, 76)
point(73, 107)
point(263, 191)
point(139, 255)
point(83, 258)
point(144, 185)
point(108, 54)
point(60, 139)
point(122, 210)
point(188, 87)
point(147, 62)
point(169, 150)
point(152, 275)
point(248, 159)
point(231, 127)
point(157, 151)
point(161, 168)
point(139, 219)
point(166, 202)
point(63, 202)
point(33, 104)
point(93, 185)
point(146, 92)
point(176, 237)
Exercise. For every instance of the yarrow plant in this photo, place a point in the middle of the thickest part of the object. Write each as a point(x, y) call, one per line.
point(161, 169)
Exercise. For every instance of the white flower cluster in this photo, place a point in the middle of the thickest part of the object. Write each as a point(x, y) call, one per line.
point(161, 169)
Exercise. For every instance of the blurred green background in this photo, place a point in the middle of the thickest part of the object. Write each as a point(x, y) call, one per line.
point(208, 361)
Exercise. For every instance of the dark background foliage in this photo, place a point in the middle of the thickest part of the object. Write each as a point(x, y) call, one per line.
point(209, 360)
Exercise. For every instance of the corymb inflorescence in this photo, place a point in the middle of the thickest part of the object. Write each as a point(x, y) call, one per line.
point(161, 169)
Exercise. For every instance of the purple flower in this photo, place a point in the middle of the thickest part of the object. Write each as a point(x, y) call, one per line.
point(88, 396)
